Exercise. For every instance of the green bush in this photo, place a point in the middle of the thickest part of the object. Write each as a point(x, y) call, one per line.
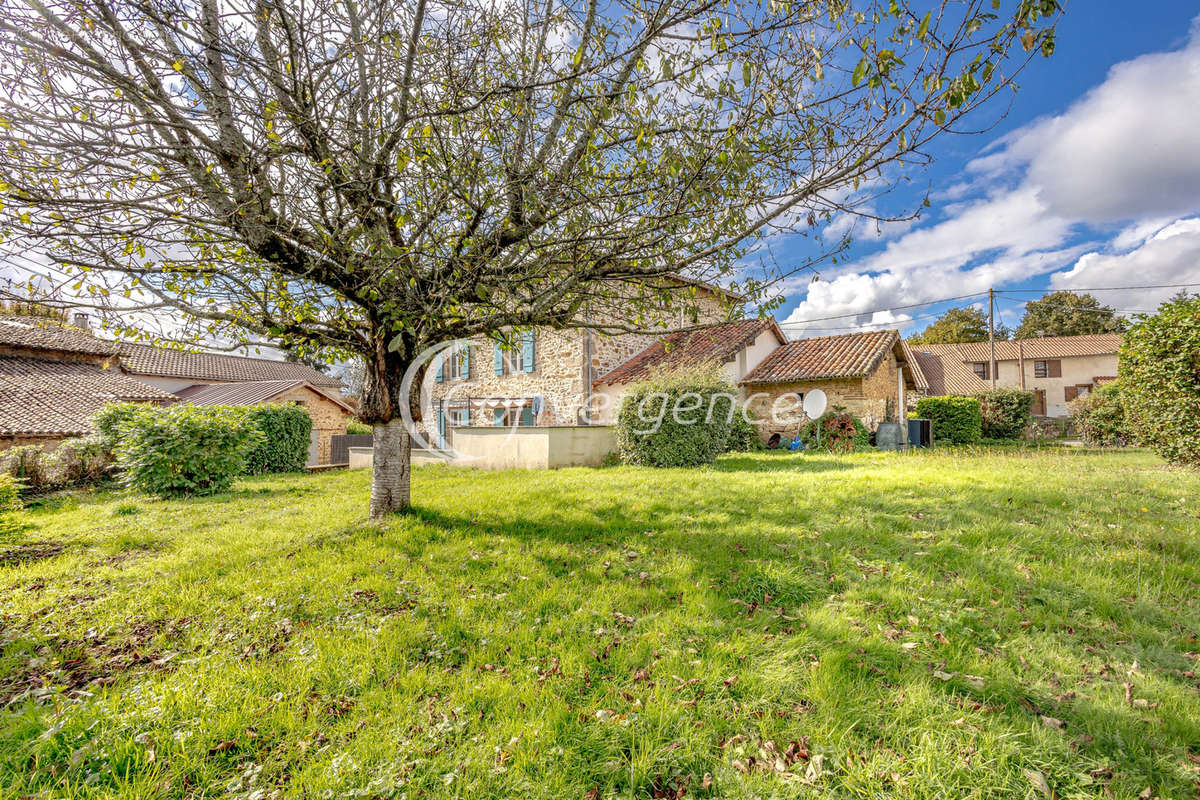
point(10, 493)
point(110, 421)
point(1005, 413)
point(1160, 380)
point(679, 419)
point(743, 434)
point(839, 432)
point(954, 418)
point(78, 462)
point(27, 464)
point(1100, 417)
point(283, 446)
point(359, 428)
point(185, 449)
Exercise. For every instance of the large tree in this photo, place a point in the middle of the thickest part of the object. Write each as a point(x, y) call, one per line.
point(966, 324)
point(372, 177)
point(1066, 313)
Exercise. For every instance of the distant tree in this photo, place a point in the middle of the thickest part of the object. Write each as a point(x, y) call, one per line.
point(374, 178)
point(967, 324)
point(1068, 314)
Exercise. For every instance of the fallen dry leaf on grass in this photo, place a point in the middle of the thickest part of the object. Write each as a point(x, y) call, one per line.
point(1039, 782)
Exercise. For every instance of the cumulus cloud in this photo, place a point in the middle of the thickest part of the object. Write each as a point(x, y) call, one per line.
point(1044, 198)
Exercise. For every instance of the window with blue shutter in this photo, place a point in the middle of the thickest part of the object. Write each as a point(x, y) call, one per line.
point(441, 423)
point(498, 417)
point(498, 358)
point(466, 363)
point(441, 373)
point(527, 353)
point(526, 417)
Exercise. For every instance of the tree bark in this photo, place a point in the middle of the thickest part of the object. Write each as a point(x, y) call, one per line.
point(392, 468)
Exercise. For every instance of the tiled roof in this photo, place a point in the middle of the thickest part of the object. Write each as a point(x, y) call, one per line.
point(848, 356)
point(43, 397)
point(698, 348)
point(39, 333)
point(920, 381)
point(247, 393)
point(944, 370)
point(1047, 347)
point(143, 359)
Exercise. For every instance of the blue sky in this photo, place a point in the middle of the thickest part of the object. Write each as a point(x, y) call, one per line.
point(1091, 180)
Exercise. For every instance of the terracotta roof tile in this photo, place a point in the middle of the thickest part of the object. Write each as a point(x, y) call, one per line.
point(42, 398)
point(143, 359)
point(848, 356)
point(698, 348)
point(1047, 347)
point(944, 370)
point(38, 333)
point(248, 393)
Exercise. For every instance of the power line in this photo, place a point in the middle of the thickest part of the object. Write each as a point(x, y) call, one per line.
point(1101, 288)
point(881, 310)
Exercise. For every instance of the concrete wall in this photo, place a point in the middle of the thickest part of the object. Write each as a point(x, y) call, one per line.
point(1076, 371)
point(518, 448)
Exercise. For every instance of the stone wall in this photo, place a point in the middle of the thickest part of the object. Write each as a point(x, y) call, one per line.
point(328, 417)
point(47, 443)
point(561, 373)
point(873, 399)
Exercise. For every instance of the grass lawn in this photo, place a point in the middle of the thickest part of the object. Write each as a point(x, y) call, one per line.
point(1005, 624)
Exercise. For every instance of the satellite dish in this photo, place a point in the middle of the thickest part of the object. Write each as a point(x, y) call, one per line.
point(814, 403)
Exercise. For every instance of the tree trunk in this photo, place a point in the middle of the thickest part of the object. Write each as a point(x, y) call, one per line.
point(392, 468)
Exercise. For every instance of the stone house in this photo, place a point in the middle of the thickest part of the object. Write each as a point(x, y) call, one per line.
point(547, 380)
point(1057, 369)
point(867, 374)
point(55, 376)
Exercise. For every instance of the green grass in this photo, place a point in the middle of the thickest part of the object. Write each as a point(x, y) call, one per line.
point(918, 625)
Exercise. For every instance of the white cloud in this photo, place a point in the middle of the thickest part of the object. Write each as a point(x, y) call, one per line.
point(1170, 256)
point(1127, 152)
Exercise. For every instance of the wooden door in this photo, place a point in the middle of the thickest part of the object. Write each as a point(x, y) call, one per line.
point(1039, 403)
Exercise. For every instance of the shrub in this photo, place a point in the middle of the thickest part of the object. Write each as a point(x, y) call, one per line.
point(27, 465)
point(679, 419)
point(840, 432)
point(185, 449)
point(110, 421)
point(743, 434)
point(1160, 380)
point(283, 446)
point(954, 418)
point(79, 462)
point(1005, 413)
point(356, 427)
point(1100, 417)
point(10, 493)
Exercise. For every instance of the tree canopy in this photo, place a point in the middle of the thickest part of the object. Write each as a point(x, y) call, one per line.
point(372, 178)
point(966, 324)
point(1066, 313)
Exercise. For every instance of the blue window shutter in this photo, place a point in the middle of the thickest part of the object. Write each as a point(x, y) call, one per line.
point(466, 362)
point(527, 416)
point(441, 373)
point(498, 417)
point(498, 358)
point(441, 420)
point(527, 353)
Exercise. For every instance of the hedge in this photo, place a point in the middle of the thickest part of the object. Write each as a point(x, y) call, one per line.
point(110, 420)
point(185, 449)
point(283, 446)
point(954, 418)
point(679, 419)
point(1099, 418)
point(10, 493)
point(840, 432)
point(1005, 413)
point(1160, 380)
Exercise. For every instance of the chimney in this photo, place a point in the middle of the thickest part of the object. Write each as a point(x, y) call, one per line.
point(80, 320)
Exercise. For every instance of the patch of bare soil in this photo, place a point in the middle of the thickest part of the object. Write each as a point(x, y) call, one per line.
point(76, 667)
point(30, 551)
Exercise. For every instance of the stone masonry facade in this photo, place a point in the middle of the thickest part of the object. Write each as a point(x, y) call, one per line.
point(565, 365)
point(328, 417)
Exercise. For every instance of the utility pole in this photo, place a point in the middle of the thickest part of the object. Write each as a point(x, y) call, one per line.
point(992, 335)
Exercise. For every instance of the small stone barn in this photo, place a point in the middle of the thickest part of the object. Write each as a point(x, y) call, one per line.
point(867, 374)
point(328, 411)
